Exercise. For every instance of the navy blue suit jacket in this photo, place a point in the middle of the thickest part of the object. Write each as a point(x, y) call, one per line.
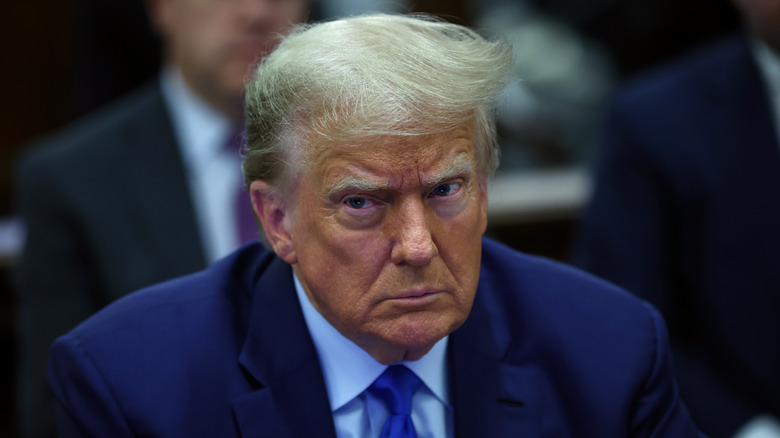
point(686, 214)
point(546, 351)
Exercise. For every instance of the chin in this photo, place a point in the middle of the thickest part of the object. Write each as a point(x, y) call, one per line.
point(421, 331)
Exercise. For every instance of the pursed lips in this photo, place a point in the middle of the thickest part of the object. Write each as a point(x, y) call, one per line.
point(417, 293)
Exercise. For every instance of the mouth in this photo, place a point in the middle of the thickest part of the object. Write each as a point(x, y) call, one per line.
point(417, 295)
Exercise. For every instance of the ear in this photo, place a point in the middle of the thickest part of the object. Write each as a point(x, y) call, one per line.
point(274, 217)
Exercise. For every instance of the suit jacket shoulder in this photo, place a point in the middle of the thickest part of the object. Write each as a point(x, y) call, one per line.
point(113, 184)
point(569, 354)
point(163, 361)
point(697, 73)
point(546, 351)
point(101, 133)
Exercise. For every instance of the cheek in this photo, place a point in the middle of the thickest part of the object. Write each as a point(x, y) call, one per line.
point(355, 258)
point(345, 260)
point(470, 222)
point(342, 272)
point(463, 258)
point(198, 44)
point(460, 245)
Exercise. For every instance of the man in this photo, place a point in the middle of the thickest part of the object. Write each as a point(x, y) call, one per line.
point(685, 214)
point(381, 311)
point(142, 191)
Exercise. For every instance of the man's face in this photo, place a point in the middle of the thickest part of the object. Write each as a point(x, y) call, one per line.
point(386, 238)
point(214, 42)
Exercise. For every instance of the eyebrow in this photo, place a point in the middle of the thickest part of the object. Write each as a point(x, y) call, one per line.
point(462, 164)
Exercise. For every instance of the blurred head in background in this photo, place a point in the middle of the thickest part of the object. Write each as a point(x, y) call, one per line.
point(215, 42)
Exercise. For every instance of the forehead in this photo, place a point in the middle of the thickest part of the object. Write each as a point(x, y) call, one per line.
point(395, 157)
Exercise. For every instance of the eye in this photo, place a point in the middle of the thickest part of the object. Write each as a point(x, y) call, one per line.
point(444, 189)
point(356, 202)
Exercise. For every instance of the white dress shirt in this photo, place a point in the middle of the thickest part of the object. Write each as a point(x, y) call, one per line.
point(769, 66)
point(213, 173)
point(348, 371)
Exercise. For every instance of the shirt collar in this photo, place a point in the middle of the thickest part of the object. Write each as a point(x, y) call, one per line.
point(200, 129)
point(769, 64)
point(348, 369)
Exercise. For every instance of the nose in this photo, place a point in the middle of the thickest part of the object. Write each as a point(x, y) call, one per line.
point(413, 242)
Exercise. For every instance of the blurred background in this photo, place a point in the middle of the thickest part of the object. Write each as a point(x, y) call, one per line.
point(65, 58)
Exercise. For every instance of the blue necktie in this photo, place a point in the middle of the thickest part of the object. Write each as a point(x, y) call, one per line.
point(395, 387)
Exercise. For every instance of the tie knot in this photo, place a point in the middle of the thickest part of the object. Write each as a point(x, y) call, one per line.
point(395, 387)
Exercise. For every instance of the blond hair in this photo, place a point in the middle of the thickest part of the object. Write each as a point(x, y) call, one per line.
point(371, 75)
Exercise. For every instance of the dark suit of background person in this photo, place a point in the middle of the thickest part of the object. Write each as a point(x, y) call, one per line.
point(546, 351)
point(686, 214)
point(107, 203)
point(108, 210)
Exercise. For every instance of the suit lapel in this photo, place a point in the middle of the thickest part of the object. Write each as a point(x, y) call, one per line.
point(292, 406)
point(160, 203)
point(490, 398)
point(738, 95)
point(282, 363)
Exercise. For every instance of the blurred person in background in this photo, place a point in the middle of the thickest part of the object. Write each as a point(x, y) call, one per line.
point(686, 214)
point(113, 48)
point(142, 190)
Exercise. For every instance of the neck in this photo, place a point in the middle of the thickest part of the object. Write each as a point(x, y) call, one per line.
point(230, 105)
